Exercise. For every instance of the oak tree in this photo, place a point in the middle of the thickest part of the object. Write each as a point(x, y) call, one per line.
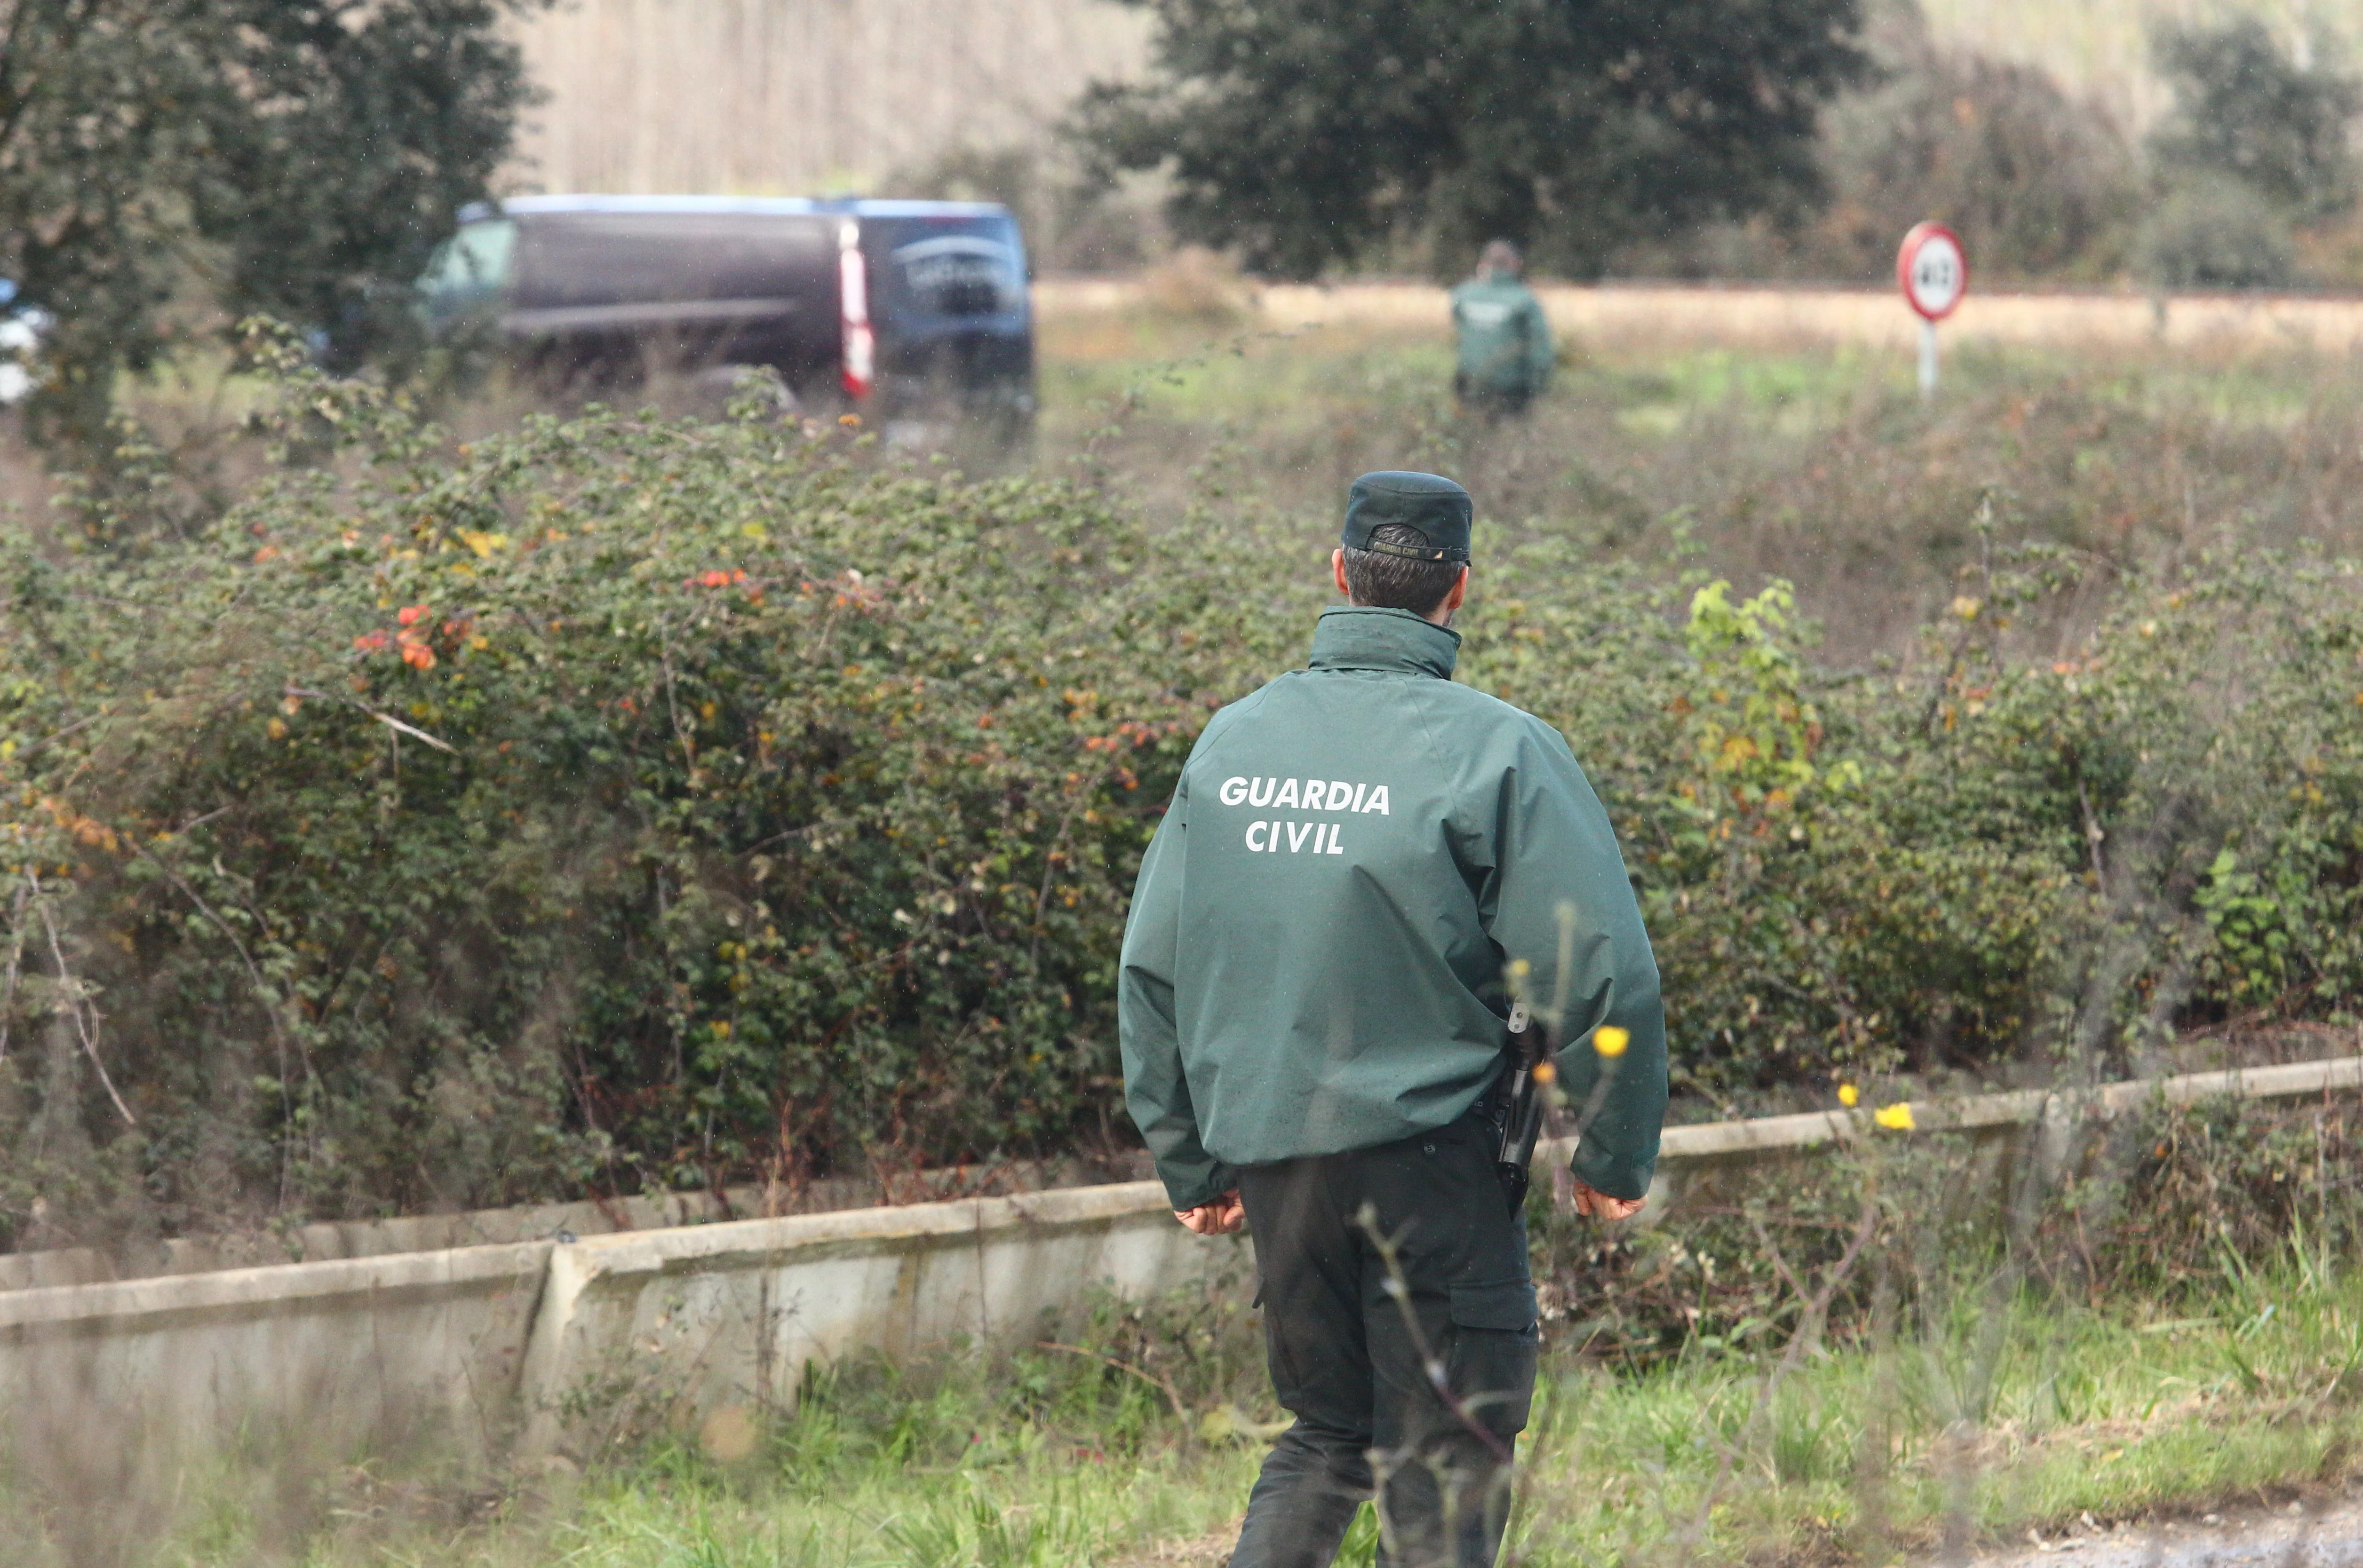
point(294, 157)
point(1304, 133)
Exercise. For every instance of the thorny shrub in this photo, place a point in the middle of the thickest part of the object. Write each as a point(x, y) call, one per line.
point(2161, 1205)
point(626, 803)
point(1987, 857)
point(618, 803)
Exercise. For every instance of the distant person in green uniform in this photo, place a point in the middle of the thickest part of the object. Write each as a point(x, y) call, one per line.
point(1314, 1012)
point(1505, 341)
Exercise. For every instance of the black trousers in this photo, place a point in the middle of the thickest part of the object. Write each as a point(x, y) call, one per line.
point(1350, 1342)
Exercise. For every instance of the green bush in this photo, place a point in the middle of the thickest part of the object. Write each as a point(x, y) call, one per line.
point(2003, 857)
point(626, 803)
point(615, 803)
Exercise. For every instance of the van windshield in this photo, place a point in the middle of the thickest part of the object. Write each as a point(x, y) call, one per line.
point(474, 262)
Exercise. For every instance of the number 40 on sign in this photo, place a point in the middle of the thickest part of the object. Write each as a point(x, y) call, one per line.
point(1935, 274)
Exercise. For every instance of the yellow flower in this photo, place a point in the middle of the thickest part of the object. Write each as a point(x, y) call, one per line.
point(1896, 1117)
point(1848, 1095)
point(1610, 1041)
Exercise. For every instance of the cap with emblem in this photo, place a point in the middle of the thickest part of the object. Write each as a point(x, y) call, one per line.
point(1434, 507)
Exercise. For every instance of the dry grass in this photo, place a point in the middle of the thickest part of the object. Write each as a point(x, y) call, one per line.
point(1815, 463)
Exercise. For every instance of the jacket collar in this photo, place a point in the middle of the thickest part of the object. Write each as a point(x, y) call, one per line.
point(1393, 641)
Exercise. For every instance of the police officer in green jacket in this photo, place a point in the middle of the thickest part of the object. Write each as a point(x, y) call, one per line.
point(1504, 339)
point(1312, 1006)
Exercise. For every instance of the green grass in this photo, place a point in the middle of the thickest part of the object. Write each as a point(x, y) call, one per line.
point(1856, 1450)
point(1015, 1513)
point(2115, 1414)
point(1240, 371)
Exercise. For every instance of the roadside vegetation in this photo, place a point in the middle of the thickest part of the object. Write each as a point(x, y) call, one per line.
point(626, 801)
point(623, 801)
point(412, 803)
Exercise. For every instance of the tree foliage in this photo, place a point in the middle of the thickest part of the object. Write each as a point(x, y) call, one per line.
point(1304, 132)
point(2247, 110)
point(291, 156)
point(2035, 181)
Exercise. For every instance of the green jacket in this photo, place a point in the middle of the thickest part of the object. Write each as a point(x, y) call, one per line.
point(1505, 338)
point(1314, 956)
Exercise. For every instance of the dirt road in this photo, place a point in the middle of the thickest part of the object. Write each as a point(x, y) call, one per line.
point(1712, 315)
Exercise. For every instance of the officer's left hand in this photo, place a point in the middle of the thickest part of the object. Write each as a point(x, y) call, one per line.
point(1220, 1218)
point(1599, 1205)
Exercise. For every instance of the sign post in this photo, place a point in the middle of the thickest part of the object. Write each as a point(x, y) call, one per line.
point(1935, 274)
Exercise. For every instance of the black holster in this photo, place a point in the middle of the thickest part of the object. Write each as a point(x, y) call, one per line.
point(1520, 1097)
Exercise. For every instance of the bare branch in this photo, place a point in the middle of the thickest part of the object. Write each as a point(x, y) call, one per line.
point(381, 717)
point(16, 956)
point(82, 1025)
point(1438, 1380)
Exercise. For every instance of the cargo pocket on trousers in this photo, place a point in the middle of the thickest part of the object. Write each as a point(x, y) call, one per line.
point(1506, 1304)
point(1494, 1340)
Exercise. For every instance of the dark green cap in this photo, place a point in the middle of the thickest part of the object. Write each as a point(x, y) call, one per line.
point(1439, 509)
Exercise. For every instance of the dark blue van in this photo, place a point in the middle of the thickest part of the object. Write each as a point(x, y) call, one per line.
point(897, 310)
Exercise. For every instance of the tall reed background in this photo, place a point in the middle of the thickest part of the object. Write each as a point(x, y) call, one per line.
point(802, 96)
point(797, 96)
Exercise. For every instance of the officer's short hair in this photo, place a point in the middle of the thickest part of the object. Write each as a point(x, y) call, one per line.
point(1378, 581)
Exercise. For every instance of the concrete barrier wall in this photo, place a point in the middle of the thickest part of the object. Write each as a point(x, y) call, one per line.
point(474, 1344)
point(733, 1314)
point(542, 1221)
point(346, 1355)
point(547, 1342)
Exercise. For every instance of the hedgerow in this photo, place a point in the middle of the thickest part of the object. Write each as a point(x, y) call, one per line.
point(619, 801)
point(625, 803)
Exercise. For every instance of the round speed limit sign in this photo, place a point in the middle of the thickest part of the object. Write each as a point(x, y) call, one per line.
point(1933, 270)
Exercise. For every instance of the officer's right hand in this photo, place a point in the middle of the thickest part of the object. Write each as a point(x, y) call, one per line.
point(1220, 1218)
